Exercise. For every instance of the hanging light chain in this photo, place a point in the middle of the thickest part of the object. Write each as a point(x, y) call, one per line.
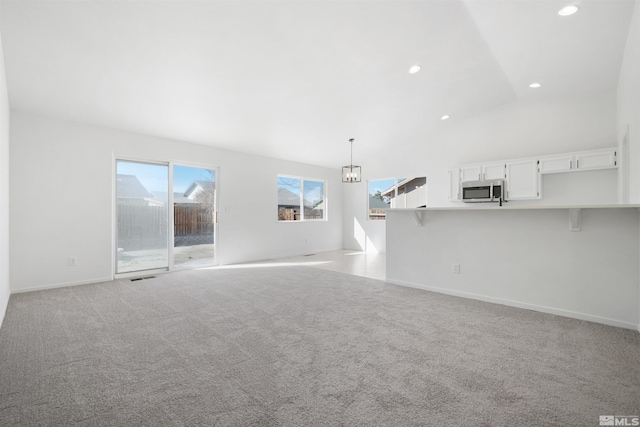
point(351, 141)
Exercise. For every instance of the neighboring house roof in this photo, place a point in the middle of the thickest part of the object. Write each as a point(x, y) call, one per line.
point(289, 198)
point(181, 198)
point(129, 187)
point(198, 186)
point(391, 191)
point(375, 203)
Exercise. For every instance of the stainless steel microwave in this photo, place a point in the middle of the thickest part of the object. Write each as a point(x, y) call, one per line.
point(483, 191)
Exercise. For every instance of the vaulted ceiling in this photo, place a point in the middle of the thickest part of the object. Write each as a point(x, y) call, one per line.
point(296, 79)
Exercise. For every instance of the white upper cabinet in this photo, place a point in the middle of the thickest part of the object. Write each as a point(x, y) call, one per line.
point(482, 172)
point(523, 179)
point(470, 173)
point(454, 185)
point(493, 171)
point(556, 164)
point(583, 160)
point(600, 159)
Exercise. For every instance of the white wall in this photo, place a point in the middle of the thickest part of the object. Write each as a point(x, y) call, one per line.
point(629, 112)
point(4, 190)
point(61, 201)
point(525, 128)
point(525, 258)
point(359, 232)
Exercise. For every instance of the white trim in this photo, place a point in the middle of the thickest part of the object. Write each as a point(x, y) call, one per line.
point(61, 285)
point(114, 214)
point(171, 224)
point(534, 307)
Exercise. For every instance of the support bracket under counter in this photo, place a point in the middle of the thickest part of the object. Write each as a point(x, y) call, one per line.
point(419, 217)
point(575, 219)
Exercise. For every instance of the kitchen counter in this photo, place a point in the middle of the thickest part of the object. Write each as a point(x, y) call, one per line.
point(507, 206)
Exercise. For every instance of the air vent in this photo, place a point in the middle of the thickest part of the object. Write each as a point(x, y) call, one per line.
point(143, 278)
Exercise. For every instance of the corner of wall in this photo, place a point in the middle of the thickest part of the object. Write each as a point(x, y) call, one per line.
point(5, 289)
point(628, 113)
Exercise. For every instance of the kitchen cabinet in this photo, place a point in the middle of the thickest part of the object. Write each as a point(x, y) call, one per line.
point(493, 171)
point(582, 160)
point(482, 172)
point(597, 159)
point(470, 173)
point(454, 185)
point(556, 164)
point(523, 179)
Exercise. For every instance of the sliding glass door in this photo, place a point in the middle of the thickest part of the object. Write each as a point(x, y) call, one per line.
point(194, 210)
point(165, 216)
point(142, 201)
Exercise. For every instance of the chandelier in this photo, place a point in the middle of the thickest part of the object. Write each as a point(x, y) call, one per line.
point(351, 173)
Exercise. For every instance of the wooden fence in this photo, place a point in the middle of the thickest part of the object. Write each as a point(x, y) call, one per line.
point(290, 214)
point(192, 219)
point(377, 214)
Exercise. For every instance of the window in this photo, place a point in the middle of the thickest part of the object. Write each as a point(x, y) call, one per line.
point(396, 193)
point(378, 197)
point(300, 199)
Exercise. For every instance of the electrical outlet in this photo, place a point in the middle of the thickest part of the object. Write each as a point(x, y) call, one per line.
point(456, 268)
point(73, 261)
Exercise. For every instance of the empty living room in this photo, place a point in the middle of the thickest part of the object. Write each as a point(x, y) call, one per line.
point(307, 213)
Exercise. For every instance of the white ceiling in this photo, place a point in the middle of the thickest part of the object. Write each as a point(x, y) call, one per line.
point(296, 79)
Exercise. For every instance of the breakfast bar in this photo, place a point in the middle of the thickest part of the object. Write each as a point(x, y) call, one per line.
point(575, 261)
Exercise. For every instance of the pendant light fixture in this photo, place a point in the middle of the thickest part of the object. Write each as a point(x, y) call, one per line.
point(351, 173)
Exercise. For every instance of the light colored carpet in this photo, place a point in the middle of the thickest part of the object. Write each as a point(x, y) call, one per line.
point(299, 346)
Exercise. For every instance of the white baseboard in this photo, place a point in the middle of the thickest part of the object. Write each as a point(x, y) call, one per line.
point(527, 306)
point(61, 285)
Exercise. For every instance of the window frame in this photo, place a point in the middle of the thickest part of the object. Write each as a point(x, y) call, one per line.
point(302, 181)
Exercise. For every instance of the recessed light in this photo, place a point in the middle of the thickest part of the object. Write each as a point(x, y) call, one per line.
point(414, 69)
point(535, 85)
point(445, 117)
point(568, 10)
